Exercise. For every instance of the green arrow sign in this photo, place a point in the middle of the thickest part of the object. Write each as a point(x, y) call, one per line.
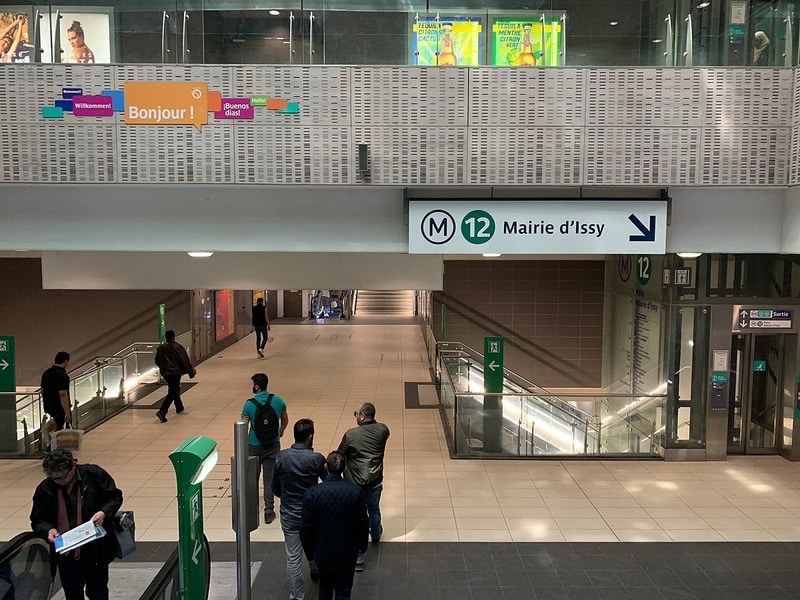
point(719, 377)
point(8, 365)
point(162, 323)
point(493, 364)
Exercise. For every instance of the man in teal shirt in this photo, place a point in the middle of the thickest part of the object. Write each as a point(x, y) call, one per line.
point(266, 429)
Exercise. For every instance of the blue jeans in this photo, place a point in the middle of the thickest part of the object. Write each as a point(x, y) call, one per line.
point(372, 497)
point(294, 561)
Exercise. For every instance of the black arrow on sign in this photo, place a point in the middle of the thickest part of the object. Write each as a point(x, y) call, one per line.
point(647, 235)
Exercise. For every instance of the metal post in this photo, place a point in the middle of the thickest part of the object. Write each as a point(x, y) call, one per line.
point(291, 37)
point(669, 42)
point(184, 38)
point(519, 438)
point(689, 52)
point(586, 438)
point(164, 38)
point(543, 55)
point(599, 434)
point(241, 452)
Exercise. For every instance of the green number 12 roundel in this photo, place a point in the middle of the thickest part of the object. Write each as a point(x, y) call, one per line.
point(477, 227)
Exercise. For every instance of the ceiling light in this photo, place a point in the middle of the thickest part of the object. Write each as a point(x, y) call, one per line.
point(274, 12)
point(492, 255)
point(200, 254)
point(689, 254)
point(704, 5)
point(657, 41)
point(614, 23)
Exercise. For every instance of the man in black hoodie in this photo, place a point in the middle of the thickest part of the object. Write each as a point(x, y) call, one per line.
point(172, 362)
point(71, 495)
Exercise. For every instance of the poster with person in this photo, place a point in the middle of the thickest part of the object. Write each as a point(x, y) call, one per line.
point(85, 35)
point(15, 32)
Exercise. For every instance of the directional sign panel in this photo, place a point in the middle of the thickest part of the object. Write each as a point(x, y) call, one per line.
point(537, 227)
point(8, 369)
point(493, 364)
point(764, 318)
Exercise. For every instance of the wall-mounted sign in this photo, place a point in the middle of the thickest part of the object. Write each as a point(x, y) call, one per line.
point(509, 227)
point(764, 318)
point(447, 40)
point(683, 277)
point(527, 41)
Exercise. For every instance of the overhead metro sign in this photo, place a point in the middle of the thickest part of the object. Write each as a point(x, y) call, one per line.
point(537, 227)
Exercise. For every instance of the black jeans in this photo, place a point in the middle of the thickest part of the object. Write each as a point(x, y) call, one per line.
point(337, 578)
point(266, 464)
point(85, 572)
point(261, 337)
point(173, 393)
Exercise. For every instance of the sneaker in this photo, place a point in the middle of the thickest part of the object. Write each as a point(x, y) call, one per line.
point(269, 517)
point(260, 353)
point(161, 416)
point(360, 562)
point(179, 410)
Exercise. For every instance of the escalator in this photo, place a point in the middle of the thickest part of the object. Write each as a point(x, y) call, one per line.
point(27, 572)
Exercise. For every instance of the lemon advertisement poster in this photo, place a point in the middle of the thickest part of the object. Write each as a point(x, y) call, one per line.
point(447, 40)
point(520, 41)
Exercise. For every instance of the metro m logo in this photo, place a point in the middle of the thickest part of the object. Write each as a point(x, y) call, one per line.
point(438, 227)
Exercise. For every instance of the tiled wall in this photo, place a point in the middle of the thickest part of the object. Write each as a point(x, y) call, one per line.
point(549, 312)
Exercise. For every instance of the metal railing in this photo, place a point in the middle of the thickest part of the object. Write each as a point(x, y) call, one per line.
point(98, 390)
point(527, 420)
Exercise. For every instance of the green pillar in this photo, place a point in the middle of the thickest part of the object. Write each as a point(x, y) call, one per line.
point(162, 323)
point(8, 400)
point(493, 404)
point(192, 460)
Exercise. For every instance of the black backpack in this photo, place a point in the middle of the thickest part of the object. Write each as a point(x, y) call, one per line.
point(265, 424)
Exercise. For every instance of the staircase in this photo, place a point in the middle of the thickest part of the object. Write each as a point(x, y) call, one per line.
point(391, 303)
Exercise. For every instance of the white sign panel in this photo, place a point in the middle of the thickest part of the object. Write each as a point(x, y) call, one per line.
point(537, 227)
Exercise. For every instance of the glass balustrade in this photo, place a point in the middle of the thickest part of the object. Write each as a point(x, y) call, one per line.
point(543, 33)
point(527, 421)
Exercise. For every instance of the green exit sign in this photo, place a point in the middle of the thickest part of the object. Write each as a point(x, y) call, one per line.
point(762, 314)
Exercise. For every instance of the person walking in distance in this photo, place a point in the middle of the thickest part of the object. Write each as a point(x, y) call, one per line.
point(55, 390)
point(363, 447)
point(261, 326)
point(268, 420)
point(334, 529)
point(296, 469)
point(71, 495)
point(172, 362)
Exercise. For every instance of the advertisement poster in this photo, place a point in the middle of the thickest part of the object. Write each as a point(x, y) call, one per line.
point(15, 32)
point(85, 37)
point(517, 41)
point(448, 40)
point(223, 323)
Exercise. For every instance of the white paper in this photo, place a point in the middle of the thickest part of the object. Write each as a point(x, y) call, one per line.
point(75, 538)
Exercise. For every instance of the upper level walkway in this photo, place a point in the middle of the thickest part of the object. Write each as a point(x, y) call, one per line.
point(324, 372)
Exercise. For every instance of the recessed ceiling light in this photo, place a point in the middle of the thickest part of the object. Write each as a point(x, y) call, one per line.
point(200, 254)
point(274, 12)
point(657, 41)
point(614, 23)
point(491, 255)
point(704, 5)
point(689, 254)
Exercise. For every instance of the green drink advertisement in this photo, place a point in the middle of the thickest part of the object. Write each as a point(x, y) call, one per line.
point(447, 40)
point(517, 41)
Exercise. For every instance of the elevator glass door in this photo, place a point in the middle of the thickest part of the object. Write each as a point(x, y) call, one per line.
point(755, 392)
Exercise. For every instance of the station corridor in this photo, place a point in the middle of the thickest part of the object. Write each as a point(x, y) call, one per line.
point(587, 508)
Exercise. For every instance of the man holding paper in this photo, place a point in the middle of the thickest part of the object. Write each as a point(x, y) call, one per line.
point(70, 507)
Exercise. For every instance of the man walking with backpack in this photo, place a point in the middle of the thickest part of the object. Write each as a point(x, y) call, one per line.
point(268, 420)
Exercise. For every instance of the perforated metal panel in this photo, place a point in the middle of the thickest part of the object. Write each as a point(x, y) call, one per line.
point(747, 97)
point(287, 155)
point(641, 156)
point(409, 96)
point(525, 155)
point(745, 156)
point(794, 162)
point(526, 97)
point(414, 155)
point(644, 97)
point(178, 154)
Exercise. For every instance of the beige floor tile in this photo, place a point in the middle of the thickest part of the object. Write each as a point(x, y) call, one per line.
point(430, 535)
point(525, 535)
point(732, 524)
point(639, 535)
point(525, 512)
point(430, 523)
point(581, 524)
point(694, 535)
point(632, 524)
point(678, 524)
point(574, 512)
point(746, 535)
point(493, 535)
point(589, 535)
point(465, 523)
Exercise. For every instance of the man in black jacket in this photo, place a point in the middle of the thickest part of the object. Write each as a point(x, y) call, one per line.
point(260, 326)
point(172, 362)
point(334, 529)
point(71, 495)
point(296, 469)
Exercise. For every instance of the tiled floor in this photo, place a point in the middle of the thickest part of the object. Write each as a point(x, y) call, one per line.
point(325, 371)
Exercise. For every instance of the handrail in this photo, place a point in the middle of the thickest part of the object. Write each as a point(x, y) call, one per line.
point(165, 574)
point(21, 586)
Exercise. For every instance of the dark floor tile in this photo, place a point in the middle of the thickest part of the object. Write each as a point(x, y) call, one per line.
point(532, 549)
point(678, 593)
point(418, 549)
point(551, 593)
point(513, 577)
point(484, 578)
point(785, 578)
point(423, 580)
point(536, 561)
point(393, 549)
point(476, 549)
point(456, 593)
point(517, 593)
point(573, 579)
point(448, 549)
point(583, 594)
point(726, 578)
point(593, 562)
point(694, 578)
point(566, 563)
point(603, 579)
point(503, 549)
point(453, 578)
point(421, 563)
point(634, 578)
point(487, 592)
point(475, 562)
point(448, 562)
point(664, 578)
